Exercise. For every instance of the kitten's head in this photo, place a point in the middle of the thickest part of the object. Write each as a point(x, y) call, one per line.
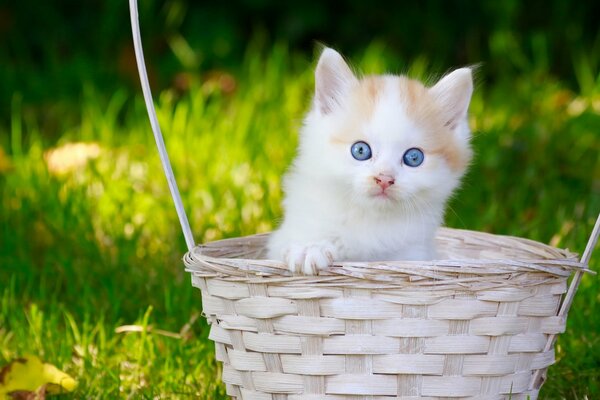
point(386, 142)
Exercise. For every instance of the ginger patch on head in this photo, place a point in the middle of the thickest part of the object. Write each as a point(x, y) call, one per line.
point(362, 101)
point(422, 108)
point(367, 94)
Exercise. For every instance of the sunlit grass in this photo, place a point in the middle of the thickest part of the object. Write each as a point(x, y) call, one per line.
point(92, 246)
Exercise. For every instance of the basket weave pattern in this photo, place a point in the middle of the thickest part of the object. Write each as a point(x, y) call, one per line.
point(472, 326)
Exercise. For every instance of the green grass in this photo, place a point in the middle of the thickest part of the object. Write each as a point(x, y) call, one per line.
point(99, 247)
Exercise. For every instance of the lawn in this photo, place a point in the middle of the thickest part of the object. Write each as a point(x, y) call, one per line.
point(91, 276)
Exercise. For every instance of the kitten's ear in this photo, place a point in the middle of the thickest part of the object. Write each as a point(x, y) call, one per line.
point(333, 77)
point(453, 93)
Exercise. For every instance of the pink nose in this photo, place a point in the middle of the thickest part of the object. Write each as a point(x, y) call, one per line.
point(384, 181)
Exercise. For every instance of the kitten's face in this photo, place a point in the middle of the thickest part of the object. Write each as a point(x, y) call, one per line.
point(388, 142)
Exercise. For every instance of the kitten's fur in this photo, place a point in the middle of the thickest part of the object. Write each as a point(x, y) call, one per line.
point(334, 207)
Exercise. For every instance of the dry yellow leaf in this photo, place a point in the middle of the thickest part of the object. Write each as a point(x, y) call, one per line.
point(29, 374)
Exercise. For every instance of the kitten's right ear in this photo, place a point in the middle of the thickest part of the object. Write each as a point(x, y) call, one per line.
point(333, 77)
point(453, 93)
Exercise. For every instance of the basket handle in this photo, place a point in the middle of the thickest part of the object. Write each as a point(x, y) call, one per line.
point(568, 300)
point(160, 143)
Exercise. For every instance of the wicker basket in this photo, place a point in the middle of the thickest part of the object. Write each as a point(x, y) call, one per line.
point(479, 325)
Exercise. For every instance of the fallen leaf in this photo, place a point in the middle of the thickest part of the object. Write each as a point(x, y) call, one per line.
point(30, 378)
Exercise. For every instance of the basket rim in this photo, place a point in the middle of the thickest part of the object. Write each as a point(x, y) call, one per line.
point(552, 263)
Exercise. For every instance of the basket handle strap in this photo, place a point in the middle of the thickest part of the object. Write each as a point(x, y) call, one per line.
point(160, 143)
point(568, 300)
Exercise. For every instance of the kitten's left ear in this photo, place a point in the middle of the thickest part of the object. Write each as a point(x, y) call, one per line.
point(333, 77)
point(453, 93)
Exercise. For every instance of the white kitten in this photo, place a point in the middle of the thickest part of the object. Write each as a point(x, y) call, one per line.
point(378, 159)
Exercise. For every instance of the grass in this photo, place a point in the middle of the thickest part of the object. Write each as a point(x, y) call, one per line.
point(90, 249)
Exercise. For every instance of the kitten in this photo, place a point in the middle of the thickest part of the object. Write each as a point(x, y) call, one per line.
point(378, 158)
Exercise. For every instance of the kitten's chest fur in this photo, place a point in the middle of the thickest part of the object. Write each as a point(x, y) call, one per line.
point(358, 233)
point(386, 237)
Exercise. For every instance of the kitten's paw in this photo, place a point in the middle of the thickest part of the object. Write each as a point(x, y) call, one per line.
point(308, 259)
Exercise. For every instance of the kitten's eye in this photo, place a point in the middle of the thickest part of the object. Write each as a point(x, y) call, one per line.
point(361, 151)
point(413, 157)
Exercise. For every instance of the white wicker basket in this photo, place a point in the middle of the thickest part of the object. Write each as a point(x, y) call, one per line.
point(479, 325)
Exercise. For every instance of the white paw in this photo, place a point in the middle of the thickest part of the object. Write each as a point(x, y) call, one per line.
point(307, 259)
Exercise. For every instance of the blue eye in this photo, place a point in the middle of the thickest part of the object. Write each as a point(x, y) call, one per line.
point(361, 151)
point(413, 157)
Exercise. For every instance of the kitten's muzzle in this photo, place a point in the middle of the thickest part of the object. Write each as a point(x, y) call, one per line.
point(384, 181)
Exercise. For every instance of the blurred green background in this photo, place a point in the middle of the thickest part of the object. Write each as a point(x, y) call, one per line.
point(91, 277)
